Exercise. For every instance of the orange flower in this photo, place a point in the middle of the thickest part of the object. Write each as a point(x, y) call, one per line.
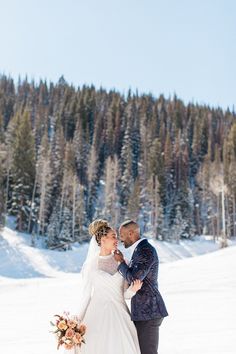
point(77, 338)
point(69, 333)
point(62, 325)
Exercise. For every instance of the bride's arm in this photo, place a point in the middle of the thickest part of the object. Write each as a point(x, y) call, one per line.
point(130, 291)
point(140, 269)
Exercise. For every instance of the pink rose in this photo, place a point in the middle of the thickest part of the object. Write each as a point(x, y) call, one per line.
point(71, 323)
point(69, 333)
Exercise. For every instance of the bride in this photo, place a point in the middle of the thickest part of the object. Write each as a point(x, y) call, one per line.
point(103, 309)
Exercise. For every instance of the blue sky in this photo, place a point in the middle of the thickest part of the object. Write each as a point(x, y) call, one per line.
point(187, 47)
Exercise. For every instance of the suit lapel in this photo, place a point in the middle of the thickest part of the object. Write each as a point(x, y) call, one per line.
point(136, 251)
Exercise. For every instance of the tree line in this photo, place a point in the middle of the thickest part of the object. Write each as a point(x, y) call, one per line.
point(69, 155)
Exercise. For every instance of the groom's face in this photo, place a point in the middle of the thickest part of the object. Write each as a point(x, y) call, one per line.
point(125, 237)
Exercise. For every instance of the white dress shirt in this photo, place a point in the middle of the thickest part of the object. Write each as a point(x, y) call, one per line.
point(134, 246)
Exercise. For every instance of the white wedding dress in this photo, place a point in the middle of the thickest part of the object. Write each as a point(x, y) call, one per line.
point(105, 312)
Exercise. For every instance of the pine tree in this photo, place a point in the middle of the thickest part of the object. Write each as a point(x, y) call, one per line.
point(2, 201)
point(72, 217)
point(219, 189)
point(23, 171)
point(126, 180)
point(57, 153)
point(229, 159)
point(65, 235)
point(54, 228)
point(156, 211)
point(81, 148)
point(1, 130)
point(170, 188)
point(111, 197)
point(133, 207)
point(45, 184)
point(93, 181)
point(79, 213)
point(179, 225)
point(66, 200)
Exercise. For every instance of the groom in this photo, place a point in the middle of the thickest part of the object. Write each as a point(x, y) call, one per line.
point(147, 306)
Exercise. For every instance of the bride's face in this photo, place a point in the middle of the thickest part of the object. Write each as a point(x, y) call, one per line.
point(110, 241)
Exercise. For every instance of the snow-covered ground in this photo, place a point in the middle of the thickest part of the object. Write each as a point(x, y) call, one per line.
point(200, 293)
point(19, 260)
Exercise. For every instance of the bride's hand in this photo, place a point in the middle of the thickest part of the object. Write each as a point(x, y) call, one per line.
point(118, 255)
point(136, 285)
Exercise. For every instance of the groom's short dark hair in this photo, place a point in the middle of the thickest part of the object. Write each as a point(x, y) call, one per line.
point(129, 223)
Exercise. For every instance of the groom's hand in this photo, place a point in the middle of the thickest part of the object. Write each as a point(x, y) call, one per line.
point(118, 256)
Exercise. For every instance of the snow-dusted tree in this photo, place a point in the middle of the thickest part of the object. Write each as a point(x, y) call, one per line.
point(144, 170)
point(232, 187)
point(72, 216)
point(133, 207)
point(199, 144)
point(191, 229)
point(33, 212)
point(184, 195)
point(156, 211)
point(126, 180)
point(23, 170)
point(2, 135)
point(10, 137)
point(135, 138)
point(230, 178)
point(66, 198)
point(57, 152)
point(219, 188)
point(93, 180)
point(204, 205)
point(44, 183)
point(155, 189)
point(111, 198)
point(81, 148)
point(79, 213)
point(65, 235)
point(2, 204)
point(178, 227)
point(54, 228)
point(170, 187)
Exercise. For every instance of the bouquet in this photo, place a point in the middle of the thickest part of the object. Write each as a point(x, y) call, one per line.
point(68, 331)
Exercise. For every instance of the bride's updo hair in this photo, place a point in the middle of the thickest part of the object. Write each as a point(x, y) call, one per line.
point(99, 228)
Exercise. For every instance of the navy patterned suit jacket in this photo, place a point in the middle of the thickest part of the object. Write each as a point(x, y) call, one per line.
point(147, 303)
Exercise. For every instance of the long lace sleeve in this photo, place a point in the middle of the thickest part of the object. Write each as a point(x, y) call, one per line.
point(128, 293)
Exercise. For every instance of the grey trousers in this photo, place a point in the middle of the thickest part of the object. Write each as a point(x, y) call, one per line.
point(148, 335)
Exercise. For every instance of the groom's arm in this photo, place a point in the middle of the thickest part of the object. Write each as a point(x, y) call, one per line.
point(140, 268)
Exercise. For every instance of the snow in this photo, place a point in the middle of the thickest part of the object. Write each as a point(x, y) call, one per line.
point(199, 291)
point(201, 297)
point(22, 261)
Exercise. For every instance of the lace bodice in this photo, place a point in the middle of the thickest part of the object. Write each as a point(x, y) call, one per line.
point(101, 282)
point(108, 264)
